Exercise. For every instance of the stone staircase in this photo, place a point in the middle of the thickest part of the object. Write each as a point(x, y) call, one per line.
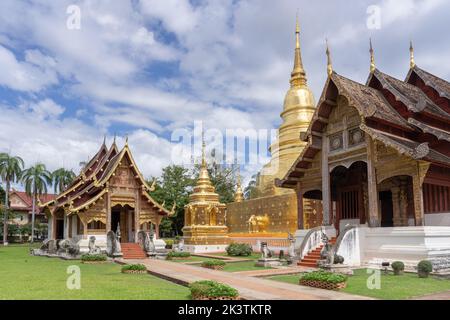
point(132, 251)
point(310, 260)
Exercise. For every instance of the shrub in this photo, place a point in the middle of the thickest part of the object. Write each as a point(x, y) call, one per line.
point(209, 288)
point(134, 267)
point(181, 254)
point(210, 263)
point(398, 267)
point(424, 268)
point(239, 249)
point(338, 259)
point(93, 257)
point(169, 243)
point(324, 276)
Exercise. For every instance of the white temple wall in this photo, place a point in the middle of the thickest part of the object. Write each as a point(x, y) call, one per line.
point(437, 219)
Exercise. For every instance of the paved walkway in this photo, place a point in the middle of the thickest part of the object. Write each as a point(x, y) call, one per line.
point(250, 288)
point(435, 296)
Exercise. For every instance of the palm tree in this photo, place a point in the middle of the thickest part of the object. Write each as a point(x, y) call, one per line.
point(62, 178)
point(10, 172)
point(36, 180)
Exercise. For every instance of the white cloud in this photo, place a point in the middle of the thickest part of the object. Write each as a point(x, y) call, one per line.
point(30, 75)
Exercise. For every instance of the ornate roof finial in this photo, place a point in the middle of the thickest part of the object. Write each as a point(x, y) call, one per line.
point(239, 195)
point(203, 150)
point(329, 64)
point(372, 58)
point(412, 63)
point(104, 139)
point(126, 140)
point(298, 75)
point(114, 141)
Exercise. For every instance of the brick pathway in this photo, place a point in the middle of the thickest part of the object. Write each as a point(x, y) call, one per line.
point(435, 296)
point(250, 288)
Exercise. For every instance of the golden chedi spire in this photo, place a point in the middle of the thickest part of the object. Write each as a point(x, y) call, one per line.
point(329, 64)
point(239, 195)
point(372, 58)
point(204, 191)
point(298, 109)
point(412, 63)
point(298, 75)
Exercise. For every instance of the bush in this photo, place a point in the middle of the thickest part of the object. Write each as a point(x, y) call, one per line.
point(239, 249)
point(324, 276)
point(210, 263)
point(169, 243)
point(181, 254)
point(93, 257)
point(424, 268)
point(398, 267)
point(338, 259)
point(134, 267)
point(209, 288)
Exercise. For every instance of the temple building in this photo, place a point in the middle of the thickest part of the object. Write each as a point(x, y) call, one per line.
point(21, 204)
point(273, 214)
point(109, 194)
point(204, 216)
point(377, 156)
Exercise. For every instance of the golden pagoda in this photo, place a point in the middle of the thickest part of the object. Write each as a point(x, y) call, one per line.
point(298, 109)
point(274, 212)
point(204, 216)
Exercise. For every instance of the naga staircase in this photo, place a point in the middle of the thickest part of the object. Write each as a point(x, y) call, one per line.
point(132, 251)
point(310, 260)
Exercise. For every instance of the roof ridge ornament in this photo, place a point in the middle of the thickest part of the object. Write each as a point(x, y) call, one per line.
point(329, 63)
point(372, 57)
point(412, 63)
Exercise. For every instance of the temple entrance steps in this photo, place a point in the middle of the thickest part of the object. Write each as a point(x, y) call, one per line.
point(132, 251)
point(310, 260)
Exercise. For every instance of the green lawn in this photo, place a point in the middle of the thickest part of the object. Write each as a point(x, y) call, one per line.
point(392, 287)
point(242, 266)
point(27, 277)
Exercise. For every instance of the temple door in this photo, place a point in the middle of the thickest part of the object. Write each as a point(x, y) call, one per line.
point(349, 205)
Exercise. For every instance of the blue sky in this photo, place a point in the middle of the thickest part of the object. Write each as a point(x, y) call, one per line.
point(145, 68)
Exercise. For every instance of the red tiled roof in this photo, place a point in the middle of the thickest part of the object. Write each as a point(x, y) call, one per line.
point(28, 201)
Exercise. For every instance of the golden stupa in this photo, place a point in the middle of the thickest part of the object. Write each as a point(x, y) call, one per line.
point(274, 212)
point(298, 109)
point(204, 216)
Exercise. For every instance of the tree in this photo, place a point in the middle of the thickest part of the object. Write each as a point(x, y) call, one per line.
point(10, 172)
point(251, 190)
point(36, 179)
point(62, 178)
point(174, 186)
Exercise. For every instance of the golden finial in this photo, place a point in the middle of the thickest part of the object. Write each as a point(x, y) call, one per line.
point(126, 140)
point(203, 150)
point(412, 63)
point(239, 195)
point(372, 58)
point(298, 75)
point(329, 65)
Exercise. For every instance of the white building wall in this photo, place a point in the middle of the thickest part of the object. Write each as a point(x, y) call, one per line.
point(437, 219)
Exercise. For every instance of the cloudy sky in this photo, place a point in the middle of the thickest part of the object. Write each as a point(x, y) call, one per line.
point(145, 68)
